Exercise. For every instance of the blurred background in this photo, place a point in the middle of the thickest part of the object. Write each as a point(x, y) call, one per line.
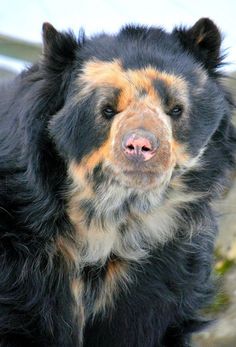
point(20, 45)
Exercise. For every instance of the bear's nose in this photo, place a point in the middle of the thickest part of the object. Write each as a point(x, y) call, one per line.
point(139, 145)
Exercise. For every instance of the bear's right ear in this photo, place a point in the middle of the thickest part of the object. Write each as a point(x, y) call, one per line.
point(49, 34)
point(203, 40)
point(59, 49)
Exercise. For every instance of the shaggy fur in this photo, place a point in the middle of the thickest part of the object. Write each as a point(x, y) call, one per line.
point(98, 250)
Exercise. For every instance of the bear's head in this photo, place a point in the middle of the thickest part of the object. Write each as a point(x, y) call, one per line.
point(140, 107)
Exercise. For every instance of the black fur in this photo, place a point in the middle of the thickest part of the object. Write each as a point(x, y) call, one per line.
point(159, 307)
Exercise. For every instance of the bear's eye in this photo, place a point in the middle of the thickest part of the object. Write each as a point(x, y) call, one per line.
point(108, 112)
point(176, 111)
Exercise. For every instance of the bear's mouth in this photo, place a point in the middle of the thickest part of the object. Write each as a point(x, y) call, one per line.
point(141, 179)
point(131, 177)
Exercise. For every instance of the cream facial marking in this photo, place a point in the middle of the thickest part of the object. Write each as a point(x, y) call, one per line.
point(96, 73)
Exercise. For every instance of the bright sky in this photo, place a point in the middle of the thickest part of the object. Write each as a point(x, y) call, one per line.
point(24, 18)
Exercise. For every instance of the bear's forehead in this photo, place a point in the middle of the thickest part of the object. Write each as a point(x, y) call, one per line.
point(131, 83)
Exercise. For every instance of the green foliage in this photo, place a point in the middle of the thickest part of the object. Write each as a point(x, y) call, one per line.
point(19, 49)
point(221, 302)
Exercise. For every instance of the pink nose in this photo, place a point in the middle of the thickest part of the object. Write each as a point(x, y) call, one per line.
point(139, 145)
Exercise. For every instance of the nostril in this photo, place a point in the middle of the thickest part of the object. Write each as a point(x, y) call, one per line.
point(130, 147)
point(145, 149)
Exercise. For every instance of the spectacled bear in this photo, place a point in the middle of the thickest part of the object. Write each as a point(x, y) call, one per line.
point(111, 150)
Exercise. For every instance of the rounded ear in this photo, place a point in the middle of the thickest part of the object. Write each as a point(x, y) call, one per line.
point(203, 40)
point(59, 49)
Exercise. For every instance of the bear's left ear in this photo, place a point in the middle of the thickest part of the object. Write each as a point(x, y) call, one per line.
point(59, 49)
point(203, 40)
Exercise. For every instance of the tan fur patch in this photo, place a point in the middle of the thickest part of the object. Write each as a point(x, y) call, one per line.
point(179, 152)
point(77, 289)
point(116, 275)
point(182, 157)
point(100, 73)
point(67, 249)
point(97, 156)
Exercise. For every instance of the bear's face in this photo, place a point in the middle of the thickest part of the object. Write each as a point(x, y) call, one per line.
point(140, 111)
point(139, 149)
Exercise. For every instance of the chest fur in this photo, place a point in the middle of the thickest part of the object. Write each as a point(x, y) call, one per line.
point(125, 227)
point(113, 228)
